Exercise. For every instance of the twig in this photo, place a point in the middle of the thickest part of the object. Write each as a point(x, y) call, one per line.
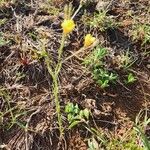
point(27, 125)
point(81, 50)
point(80, 6)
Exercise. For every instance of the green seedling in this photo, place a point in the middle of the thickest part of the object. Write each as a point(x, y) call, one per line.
point(130, 79)
point(96, 57)
point(101, 21)
point(93, 144)
point(96, 63)
point(75, 115)
point(15, 113)
point(125, 60)
point(2, 40)
point(3, 21)
point(140, 128)
point(50, 8)
point(19, 76)
point(41, 54)
point(33, 35)
point(104, 77)
point(141, 32)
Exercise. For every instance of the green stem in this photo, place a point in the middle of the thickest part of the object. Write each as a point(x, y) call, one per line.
point(50, 71)
point(54, 73)
point(56, 85)
point(60, 50)
point(57, 103)
point(59, 64)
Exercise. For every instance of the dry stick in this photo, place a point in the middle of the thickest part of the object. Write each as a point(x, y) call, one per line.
point(27, 125)
point(81, 50)
point(124, 86)
point(9, 56)
point(80, 6)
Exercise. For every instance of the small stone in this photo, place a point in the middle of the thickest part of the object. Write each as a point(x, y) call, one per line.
point(90, 103)
point(148, 66)
point(102, 5)
point(97, 113)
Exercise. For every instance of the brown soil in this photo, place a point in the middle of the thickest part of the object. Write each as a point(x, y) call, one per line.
point(31, 95)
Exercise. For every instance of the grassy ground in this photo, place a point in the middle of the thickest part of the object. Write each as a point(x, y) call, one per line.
point(57, 94)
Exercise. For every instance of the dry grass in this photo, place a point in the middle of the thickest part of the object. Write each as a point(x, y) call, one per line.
point(28, 119)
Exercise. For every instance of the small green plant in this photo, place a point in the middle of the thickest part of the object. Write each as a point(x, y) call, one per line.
point(2, 2)
point(125, 60)
point(93, 144)
point(2, 40)
point(3, 21)
point(140, 127)
point(39, 54)
point(130, 79)
point(103, 77)
point(96, 63)
point(75, 115)
point(50, 8)
point(141, 32)
point(100, 20)
point(95, 58)
point(15, 113)
point(133, 138)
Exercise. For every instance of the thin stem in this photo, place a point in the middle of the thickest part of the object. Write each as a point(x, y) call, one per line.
point(80, 6)
point(54, 73)
point(59, 64)
point(57, 103)
point(49, 68)
point(61, 47)
point(56, 85)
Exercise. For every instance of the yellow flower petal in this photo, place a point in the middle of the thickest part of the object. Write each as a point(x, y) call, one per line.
point(89, 40)
point(67, 26)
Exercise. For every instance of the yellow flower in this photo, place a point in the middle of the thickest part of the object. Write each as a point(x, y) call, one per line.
point(89, 40)
point(67, 25)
